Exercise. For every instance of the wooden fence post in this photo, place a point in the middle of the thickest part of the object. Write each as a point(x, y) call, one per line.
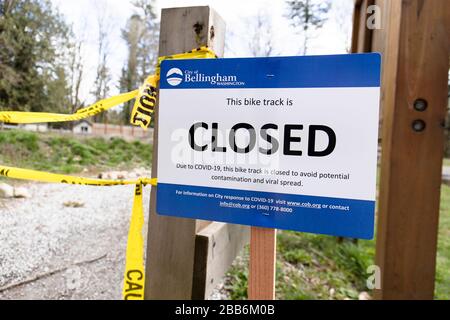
point(416, 63)
point(171, 241)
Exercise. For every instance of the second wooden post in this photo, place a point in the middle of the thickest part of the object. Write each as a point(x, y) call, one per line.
point(262, 269)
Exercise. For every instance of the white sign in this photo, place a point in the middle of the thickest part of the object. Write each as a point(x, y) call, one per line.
point(287, 143)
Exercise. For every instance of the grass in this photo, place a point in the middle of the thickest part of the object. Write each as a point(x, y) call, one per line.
point(318, 267)
point(68, 154)
point(443, 257)
point(311, 267)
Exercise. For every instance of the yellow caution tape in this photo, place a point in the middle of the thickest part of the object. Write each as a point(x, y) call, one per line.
point(41, 117)
point(142, 114)
point(134, 277)
point(144, 107)
point(200, 53)
point(39, 176)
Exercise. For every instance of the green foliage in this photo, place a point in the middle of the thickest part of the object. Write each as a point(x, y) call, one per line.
point(442, 291)
point(237, 281)
point(311, 267)
point(32, 36)
point(342, 266)
point(141, 36)
point(28, 140)
point(319, 267)
point(307, 16)
point(67, 154)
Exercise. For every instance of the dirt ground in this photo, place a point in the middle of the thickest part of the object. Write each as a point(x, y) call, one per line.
point(65, 242)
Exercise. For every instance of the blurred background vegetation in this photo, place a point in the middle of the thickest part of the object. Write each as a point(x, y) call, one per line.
point(70, 154)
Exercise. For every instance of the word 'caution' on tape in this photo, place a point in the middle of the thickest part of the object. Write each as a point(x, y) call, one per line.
point(144, 107)
point(134, 278)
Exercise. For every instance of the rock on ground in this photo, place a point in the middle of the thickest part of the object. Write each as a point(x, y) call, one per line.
point(6, 191)
point(364, 296)
point(20, 192)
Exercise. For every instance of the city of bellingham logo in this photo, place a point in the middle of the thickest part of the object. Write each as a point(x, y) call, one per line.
point(174, 77)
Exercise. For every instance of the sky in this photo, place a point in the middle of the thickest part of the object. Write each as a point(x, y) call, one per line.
point(83, 15)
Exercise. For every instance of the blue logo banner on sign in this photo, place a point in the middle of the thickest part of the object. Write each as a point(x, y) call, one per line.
point(287, 143)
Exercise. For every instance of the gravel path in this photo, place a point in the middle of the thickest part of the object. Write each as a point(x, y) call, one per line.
point(76, 253)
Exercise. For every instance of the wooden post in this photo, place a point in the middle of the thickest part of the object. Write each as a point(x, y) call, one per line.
point(416, 63)
point(171, 241)
point(216, 248)
point(261, 285)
